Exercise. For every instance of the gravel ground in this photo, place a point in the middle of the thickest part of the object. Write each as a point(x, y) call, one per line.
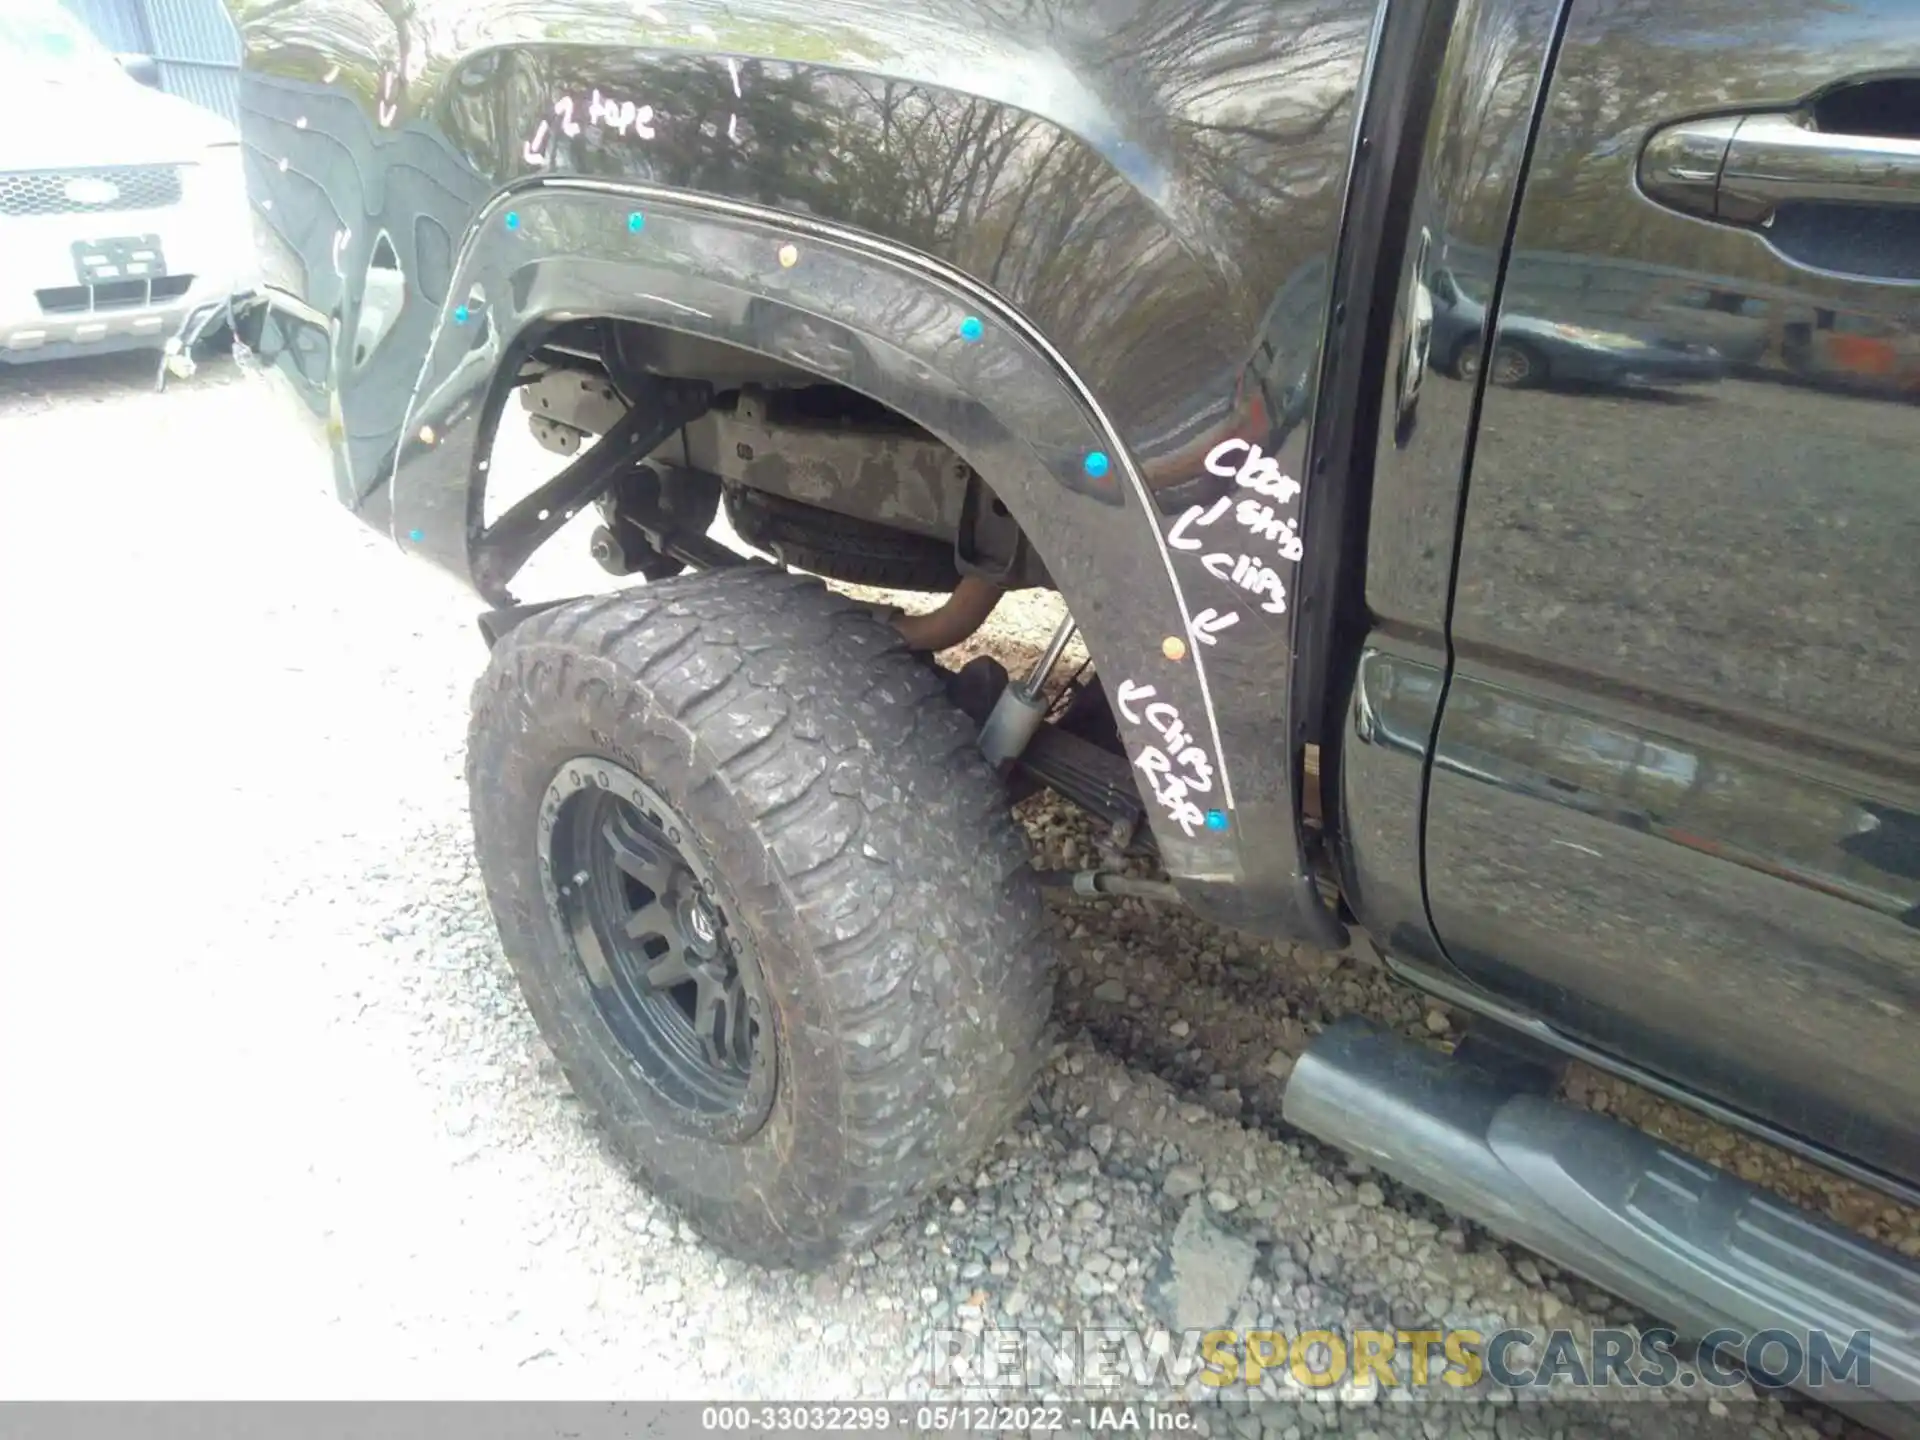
point(277, 1122)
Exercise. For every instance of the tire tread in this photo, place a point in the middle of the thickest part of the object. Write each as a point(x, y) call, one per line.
point(904, 874)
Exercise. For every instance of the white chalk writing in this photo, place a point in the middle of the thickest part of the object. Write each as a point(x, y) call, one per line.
point(1209, 623)
point(1244, 463)
point(535, 152)
point(1128, 693)
point(1258, 516)
point(621, 116)
point(1249, 574)
point(1178, 767)
point(1254, 515)
point(607, 113)
point(1257, 472)
point(1200, 515)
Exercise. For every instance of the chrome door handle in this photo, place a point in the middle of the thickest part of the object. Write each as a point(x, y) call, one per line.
point(1738, 169)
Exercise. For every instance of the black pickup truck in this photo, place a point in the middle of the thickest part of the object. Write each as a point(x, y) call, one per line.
point(1477, 441)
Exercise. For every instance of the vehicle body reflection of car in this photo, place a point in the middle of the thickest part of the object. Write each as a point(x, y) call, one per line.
point(122, 210)
point(1268, 395)
point(1845, 349)
point(1530, 351)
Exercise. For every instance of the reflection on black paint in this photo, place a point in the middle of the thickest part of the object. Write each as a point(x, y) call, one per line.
point(1179, 166)
point(1667, 804)
point(1469, 178)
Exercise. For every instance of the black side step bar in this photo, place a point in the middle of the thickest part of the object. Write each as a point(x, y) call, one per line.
point(1673, 1234)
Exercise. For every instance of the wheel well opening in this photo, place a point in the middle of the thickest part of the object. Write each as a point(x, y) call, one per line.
point(789, 464)
point(786, 462)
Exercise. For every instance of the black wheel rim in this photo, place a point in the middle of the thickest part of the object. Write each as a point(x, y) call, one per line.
point(678, 986)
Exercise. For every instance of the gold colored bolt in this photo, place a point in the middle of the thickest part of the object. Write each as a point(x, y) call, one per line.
point(426, 434)
point(789, 256)
point(1174, 648)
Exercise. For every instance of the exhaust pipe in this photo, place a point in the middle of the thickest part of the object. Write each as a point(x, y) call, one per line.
point(1668, 1232)
point(964, 612)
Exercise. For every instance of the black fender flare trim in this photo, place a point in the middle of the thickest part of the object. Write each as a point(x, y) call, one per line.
point(932, 344)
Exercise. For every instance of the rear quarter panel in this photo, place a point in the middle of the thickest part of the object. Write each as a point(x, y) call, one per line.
point(1137, 183)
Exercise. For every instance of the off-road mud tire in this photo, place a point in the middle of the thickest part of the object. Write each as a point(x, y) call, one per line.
point(856, 835)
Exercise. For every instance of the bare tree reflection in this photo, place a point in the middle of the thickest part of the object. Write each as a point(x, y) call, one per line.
point(1177, 162)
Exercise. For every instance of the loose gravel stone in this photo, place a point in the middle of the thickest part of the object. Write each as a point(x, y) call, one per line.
point(1204, 1271)
point(1184, 1180)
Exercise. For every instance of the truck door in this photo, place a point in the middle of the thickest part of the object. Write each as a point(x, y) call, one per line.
point(1674, 802)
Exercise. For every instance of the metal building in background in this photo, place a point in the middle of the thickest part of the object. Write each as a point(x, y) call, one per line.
point(193, 42)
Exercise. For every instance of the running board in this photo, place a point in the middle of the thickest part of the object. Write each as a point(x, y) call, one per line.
point(1674, 1235)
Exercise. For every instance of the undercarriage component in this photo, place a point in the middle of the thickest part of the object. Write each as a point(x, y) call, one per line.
point(988, 541)
point(964, 613)
point(507, 544)
point(839, 548)
point(1078, 756)
point(618, 556)
point(1668, 1232)
point(1017, 714)
point(976, 685)
point(1096, 780)
point(495, 624)
point(554, 435)
point(697, 552)
point(567, 407)
point(1108, 882)
point(835, 451)
point(817, 475)
point(653, 514)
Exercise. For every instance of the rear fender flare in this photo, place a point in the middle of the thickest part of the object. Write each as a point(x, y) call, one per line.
point(1006, 402)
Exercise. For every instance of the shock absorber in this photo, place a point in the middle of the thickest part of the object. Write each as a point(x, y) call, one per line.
point(1017, 714)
